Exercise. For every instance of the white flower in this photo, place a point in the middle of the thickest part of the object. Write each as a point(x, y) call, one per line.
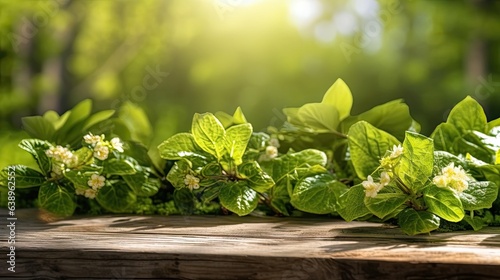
point(93, 139)
point(90, 193)
point(80, 192)
point(192, 182)
point(101, 151)
point(274, 142)
point(396, 151)
point(453, 177)
point(117, 144)
point(271, 152)
point(96, 181)
point(61, 154)
point(385, 179)
point(371, 188)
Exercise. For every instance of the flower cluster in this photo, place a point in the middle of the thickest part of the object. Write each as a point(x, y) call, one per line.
point(372, 188)
point(62, 157)
point(95, 183)
point(192, 182)
point(102, 148)
point(391, 160)
point(452, 176)
point(271, 150)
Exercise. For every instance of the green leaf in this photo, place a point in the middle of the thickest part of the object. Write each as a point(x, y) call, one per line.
point(257, 179)
point(237, 197)
point(141, 184)
point(385, 204)
point(239, 117)
point(54, 118)
point(184, 200)
point(479, 195)
point(117, 166)
point(97, 118)
point(340, 97)
point(81, 176)
point(236, 141)
point(181, 145)
point(37, 149)
point(392, 117)
point(209, 134)
point(367, 146)
point(24, 177)
point(71, 131)
point(136, 120)
point(414, 222)
point(116, 197)
point(444, 202)
point(444, 136)
point(318, 116)
point(56, 199)
point(286, 165)
point(178, 173)
point(280, 197)
point(475, 222)
point(352, 205)
point(416, 164)
point(468, 115)
point(317, 194)
point(212, 192)
point(38, 127)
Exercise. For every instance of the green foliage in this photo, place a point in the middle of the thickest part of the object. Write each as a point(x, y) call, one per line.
point(222, 165)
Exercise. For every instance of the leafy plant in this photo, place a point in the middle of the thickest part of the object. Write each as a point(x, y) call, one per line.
point(373, 166)
point(410, 182)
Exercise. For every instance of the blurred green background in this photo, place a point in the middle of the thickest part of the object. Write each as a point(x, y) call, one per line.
point(177, 57)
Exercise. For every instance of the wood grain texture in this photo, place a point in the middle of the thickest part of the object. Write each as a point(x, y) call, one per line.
point(231, 247)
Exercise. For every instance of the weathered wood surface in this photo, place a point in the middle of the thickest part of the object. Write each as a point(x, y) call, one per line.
point(231, 247)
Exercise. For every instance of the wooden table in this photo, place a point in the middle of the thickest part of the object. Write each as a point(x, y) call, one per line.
point(231, 247)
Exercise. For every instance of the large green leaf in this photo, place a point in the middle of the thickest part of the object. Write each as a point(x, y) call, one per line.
point(444, 202)
point(317, 194)
point(286, 165)
point(444, 136)
point(209, 134)
point(340, 97)
point(352, 205)
point(416, 222)
point(392, 117)
point(385, 204)
point(116, 197)
point(56, 199)
point(468, 115)
point(236, 140)
point(97, 118)
point(71, 131)
point(38, 127)
point(237, 197)
point(37, 149)
point(475, 222)
point(181, 145)
point(479, 195)
point(319, 116)
point(24, 177)
point(257, 179)
point(416, 164)
point(367, 146)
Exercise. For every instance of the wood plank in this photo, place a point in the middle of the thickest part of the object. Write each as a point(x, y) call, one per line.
point(231, 247)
